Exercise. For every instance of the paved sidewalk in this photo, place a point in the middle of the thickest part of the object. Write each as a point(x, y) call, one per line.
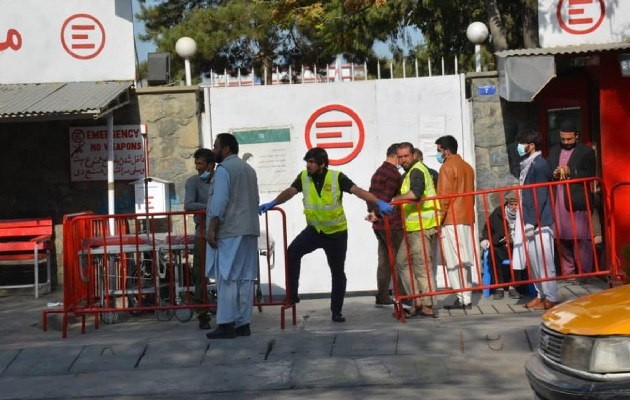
point(472, 354)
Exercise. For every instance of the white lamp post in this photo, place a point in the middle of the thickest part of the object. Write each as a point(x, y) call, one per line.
point(186, 48)
point(477, 33)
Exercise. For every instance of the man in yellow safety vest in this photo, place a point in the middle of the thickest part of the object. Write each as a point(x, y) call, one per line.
point(326, 226)
point(420, 224)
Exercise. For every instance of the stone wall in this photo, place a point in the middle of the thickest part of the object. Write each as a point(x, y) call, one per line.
point(172, 119)
point(495, 125)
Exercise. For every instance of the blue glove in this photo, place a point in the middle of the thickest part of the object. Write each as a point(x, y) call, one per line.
point(384, 207)
point(263, 208)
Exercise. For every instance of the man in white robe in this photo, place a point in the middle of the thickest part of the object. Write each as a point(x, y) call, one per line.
point(233, 230)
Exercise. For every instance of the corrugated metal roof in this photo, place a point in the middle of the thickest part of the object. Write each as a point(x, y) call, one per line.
point(550, 51)
point(61, 100)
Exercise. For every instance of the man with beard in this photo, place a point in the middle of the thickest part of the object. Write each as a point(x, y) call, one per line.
point(414, 260)
point(233, 230)
point(326, 226)
point(573, 160)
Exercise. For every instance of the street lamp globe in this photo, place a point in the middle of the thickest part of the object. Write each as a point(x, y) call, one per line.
point(186, 48)
point(477, 32)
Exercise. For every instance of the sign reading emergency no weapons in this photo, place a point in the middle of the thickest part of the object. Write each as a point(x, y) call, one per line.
point(339, 130)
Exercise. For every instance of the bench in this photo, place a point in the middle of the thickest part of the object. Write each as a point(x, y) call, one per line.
point(27, 242)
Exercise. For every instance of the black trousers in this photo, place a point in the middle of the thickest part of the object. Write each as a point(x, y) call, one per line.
point(335, 247)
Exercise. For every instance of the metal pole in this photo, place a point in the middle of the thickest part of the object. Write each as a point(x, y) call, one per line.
point(478, 58)
point(111, 202)
point(147, 177)
point(378, 70)
point(187, 66)
point(456, 66)
point(416, 63)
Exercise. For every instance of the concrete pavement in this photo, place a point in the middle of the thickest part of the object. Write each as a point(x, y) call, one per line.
point(472, 354)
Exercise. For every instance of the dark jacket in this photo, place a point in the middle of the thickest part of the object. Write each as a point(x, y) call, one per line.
point(582, 165)
point(537, 211)
point(496, 226)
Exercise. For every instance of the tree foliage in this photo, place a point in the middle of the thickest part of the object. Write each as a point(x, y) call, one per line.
point(259, 33)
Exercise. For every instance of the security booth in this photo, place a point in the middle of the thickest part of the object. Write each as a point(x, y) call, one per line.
point(152, 194)
point(578, 74)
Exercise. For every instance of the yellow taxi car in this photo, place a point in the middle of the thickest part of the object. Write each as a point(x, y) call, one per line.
point(584, 349)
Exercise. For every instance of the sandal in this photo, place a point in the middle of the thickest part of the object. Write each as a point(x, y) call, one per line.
point(426, 311)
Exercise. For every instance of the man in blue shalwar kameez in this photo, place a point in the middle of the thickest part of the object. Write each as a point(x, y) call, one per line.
point(233, 230)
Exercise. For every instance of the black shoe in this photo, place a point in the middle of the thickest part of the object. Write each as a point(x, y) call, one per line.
point(293, 299)
point(459, 305)
point(243, 330)
point(223, 331)
point(338, 318)
point(379, 304)
point(498, 294)
point(204, 324)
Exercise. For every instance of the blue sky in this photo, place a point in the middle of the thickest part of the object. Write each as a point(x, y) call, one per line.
point(138, 28)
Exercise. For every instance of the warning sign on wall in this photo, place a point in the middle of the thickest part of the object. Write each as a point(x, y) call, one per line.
point(88, 153)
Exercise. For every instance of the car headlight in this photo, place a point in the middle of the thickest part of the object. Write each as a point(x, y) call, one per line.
point(611, 354)
point(576, 352)
point(597, 355)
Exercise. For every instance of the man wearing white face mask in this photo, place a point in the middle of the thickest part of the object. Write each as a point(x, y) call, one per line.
point(537, 215)
point(196, 198)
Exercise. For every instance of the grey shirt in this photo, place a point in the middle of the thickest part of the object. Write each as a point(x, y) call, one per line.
point(196, 196)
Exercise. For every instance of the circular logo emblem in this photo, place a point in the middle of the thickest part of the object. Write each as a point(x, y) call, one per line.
point(580, 17)
point(83, 36)
point(78, 136)
point(339, 130)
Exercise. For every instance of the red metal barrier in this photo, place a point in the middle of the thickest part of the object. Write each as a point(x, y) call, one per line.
point(144, 264)
point(616, 253)
point(540, 243)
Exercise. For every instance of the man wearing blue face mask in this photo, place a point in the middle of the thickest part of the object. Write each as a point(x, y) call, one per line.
point(196, 198)
point(537, 221)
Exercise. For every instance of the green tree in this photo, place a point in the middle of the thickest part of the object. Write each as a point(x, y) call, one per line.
point(233, 34)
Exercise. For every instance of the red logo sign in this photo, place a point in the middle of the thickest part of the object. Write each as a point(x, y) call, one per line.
point(337, 129)
point(83, 36)
point(579, 17)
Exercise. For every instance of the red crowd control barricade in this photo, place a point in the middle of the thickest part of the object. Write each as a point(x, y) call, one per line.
point(139, 263)
point(558, 220)
point(273, 293)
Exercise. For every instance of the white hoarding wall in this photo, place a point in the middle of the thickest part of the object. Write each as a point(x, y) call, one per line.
point(66, 41)
point(356, 121)
point(88, 153)
point(573, 22)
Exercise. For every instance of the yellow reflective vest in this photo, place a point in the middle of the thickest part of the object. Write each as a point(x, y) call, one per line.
point(324, 211)
point(428, 209)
